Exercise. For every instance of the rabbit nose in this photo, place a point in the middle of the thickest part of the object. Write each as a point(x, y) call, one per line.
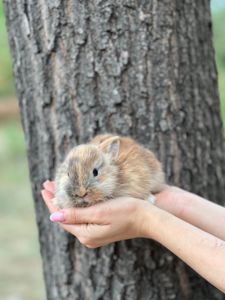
point(82, 193)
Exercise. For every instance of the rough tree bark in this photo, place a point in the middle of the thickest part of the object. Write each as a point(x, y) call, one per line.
point(143, 68)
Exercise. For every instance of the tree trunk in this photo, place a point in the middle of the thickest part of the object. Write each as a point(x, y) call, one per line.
point(142, 68)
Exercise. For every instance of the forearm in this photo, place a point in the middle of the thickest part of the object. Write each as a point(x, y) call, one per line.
point(200, 250)
point(195, 210)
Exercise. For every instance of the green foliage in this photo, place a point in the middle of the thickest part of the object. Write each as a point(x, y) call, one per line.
point(6, 78)
point(219, 44)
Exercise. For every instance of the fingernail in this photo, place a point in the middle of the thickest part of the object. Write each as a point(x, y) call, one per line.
point(57, 217)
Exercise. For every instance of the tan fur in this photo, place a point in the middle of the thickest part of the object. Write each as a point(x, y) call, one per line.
point(134, 172)
point(137, 165)
point(140, 172)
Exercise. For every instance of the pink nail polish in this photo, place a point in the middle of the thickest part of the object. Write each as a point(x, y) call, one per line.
point(57, 217)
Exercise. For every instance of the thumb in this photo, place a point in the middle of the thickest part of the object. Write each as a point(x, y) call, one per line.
point(94, 214)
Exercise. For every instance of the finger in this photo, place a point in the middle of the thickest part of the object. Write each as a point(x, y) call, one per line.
point(49, 186)
point(88, 233)
point(95, 214)
point(47, 196)
point(78, 230)
point(91, 235)
point(73, 229)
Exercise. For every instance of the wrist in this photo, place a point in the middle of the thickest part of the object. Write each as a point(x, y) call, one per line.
point(173, 200)
point(149, 220)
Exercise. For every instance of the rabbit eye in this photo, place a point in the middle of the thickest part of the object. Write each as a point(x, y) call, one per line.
point(95, 172)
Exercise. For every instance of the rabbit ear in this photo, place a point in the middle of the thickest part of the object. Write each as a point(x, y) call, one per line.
point(111, 146)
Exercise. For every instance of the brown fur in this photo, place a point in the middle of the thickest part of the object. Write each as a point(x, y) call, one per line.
point(140, 173)
point(125, 169)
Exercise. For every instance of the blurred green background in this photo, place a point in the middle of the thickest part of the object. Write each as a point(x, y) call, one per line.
point(20, 263)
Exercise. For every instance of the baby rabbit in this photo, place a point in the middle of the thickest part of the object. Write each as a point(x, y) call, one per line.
point(109, 166)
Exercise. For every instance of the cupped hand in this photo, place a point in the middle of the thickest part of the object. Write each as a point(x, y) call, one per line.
point(103, 223)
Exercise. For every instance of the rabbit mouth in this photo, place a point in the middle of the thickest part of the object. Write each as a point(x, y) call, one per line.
point(81, 202)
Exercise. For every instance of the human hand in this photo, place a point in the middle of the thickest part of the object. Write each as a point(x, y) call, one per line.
point(125, 218)
point(104, 223)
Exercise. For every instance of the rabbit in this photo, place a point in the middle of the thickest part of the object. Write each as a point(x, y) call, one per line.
point(108, 166)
